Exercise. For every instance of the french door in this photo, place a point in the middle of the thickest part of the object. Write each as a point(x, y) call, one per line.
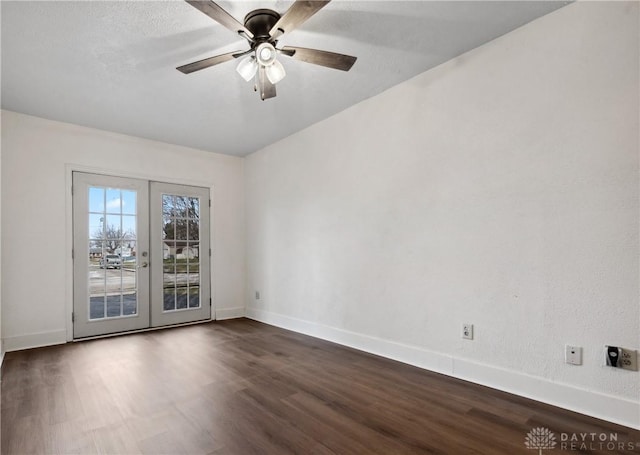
point(141, 254)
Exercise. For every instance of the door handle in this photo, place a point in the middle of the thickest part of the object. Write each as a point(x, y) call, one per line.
point(143, 265)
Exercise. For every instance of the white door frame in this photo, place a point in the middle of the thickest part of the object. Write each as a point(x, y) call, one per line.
point(70, 168)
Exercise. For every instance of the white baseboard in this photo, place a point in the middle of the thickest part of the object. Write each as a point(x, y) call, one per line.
point(35, 340)
point(611, 408)
point(230, 313)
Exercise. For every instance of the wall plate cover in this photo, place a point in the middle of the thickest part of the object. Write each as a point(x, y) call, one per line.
point(618, 357)
point(467, 331)
point(573, 355)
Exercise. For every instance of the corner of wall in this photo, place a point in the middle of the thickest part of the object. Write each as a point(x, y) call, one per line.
point(243, 215)
point(230, 313)
point(1, 280)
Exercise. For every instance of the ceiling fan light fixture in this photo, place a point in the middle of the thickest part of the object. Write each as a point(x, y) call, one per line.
point(247, 68)
point(266, 54)
point(275, 72)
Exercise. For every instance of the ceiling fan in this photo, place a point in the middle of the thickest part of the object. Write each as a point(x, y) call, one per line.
point(262, 28)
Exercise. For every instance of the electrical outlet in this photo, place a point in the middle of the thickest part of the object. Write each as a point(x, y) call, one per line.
point(467, 331)
point(617, 357)
point(572, 355)
point(257, 295)
point(629, 359)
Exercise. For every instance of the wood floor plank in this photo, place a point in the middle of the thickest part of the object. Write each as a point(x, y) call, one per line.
point(241, 387)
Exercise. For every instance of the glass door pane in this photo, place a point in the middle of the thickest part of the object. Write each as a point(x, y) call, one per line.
point(181, 252)
point(112, 253)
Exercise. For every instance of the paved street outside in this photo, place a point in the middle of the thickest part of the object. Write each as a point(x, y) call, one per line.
point(111, 288)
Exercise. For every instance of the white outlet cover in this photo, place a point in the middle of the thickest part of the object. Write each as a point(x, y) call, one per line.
point(573, 355)
point(629, 359)
point(467, 331)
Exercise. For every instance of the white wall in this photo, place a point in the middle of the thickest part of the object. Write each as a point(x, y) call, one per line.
point(499, 189)
point(1, 342)
point(37, 158)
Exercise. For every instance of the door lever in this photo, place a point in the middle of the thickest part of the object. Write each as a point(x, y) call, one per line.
point(143, 265)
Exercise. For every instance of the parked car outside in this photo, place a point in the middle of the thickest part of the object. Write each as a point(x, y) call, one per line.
point(110, 261)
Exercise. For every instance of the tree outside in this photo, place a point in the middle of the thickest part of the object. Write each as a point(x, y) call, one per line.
point(113, 239)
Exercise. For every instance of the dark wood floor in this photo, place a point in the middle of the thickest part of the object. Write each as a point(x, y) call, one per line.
point(242, 387)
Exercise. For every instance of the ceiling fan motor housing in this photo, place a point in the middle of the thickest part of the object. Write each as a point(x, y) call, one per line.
point(260, 22)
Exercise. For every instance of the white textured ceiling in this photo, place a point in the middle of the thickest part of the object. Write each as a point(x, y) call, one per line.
point(111, 65)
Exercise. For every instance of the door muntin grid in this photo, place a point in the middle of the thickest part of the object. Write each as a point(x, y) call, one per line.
point(181, 252)
point(112, 236)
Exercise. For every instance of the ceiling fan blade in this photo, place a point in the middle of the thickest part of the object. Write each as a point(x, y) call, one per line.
point(267, 89)
point(299, 12)
point(288, 53)
point(207, 62)
point(243, 53)
point(322, 58)
point(215, 12)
